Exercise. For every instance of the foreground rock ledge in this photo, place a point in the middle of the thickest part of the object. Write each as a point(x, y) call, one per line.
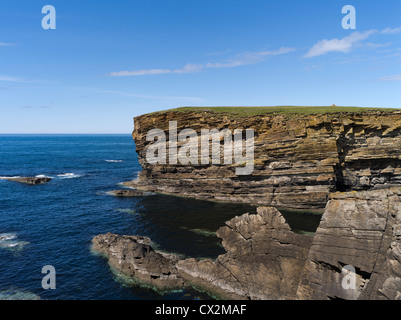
point(266, 260)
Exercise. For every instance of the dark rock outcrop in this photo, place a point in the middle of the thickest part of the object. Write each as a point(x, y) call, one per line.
point(128, 193)
point(134, 257)
point(28, 180)
point(299, 160)
point(264, 259)
point(361, 230)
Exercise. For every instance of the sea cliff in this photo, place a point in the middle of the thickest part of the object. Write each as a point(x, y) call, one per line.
point(299, 158)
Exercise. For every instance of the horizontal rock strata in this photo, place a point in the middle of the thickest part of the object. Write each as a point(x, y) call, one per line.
point(299, 159)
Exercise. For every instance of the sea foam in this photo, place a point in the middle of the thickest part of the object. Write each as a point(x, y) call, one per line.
point(69, 175)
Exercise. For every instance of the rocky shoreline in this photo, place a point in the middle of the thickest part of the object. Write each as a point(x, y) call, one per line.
point(347, 163)
point(264, 259)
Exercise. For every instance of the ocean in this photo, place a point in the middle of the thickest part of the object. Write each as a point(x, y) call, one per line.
point(53, 224)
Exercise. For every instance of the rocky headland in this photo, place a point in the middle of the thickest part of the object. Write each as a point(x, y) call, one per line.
point(348, 163)
point(299, 158)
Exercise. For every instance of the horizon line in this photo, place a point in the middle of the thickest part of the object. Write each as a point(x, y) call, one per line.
point(63, 133)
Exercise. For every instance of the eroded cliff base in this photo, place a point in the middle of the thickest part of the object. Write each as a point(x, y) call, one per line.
point(264, 259)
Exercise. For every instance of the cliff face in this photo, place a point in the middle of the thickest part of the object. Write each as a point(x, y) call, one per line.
point(299, 159)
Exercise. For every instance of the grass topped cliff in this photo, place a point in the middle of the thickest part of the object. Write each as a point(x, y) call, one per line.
point(289, 110)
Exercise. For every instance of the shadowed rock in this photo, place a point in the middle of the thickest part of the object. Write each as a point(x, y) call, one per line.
point(264, 259)
point(128, 193)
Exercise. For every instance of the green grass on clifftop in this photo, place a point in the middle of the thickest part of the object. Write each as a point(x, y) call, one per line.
point(290, 110)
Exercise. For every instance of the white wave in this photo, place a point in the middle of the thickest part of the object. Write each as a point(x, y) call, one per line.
point(7, 236)
point(69, 175)
point(18, 245)
point(13, 177)
point(42, 176)
point(113, 160)
point(8, 244)
point(10, 241)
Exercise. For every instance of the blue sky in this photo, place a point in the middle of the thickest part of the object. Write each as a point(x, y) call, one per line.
point(108, 61)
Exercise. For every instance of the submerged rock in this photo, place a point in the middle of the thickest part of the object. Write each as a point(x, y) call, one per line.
point(28, 180)
point(15, 293)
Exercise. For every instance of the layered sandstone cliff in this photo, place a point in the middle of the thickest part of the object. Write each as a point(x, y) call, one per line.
point(299, 159)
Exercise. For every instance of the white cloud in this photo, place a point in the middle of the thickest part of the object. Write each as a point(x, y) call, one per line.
point(377, 45)
point(6, 44)
point(391, 30)
point(338, 45)
point(239, 60)
point(12, 79)
point(128, 94)
point(391, 78)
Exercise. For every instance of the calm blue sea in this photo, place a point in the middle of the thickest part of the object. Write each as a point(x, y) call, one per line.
point(53, 223)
